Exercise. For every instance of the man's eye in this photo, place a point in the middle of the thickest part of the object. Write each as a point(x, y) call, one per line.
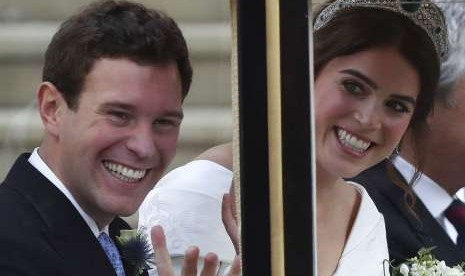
point(352, 87)
point(119, 115)
point(166, 123)
point(398, 106)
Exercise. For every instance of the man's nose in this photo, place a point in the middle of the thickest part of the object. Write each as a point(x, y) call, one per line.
point(142, 141)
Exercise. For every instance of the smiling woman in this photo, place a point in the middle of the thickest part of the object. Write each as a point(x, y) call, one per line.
point(356, 127)
point(376, 66)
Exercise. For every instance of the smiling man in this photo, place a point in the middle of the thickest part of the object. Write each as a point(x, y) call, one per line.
point(117, 142)
point(114, 80)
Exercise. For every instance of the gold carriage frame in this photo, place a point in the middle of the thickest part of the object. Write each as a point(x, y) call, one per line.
point(271, 75)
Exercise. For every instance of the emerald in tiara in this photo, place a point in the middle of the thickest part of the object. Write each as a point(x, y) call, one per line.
point(410, 6)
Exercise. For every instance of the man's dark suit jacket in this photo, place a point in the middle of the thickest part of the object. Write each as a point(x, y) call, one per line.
point(41, 233)
point(405, 233)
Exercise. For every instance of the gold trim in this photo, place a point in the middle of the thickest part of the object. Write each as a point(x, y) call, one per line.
point(235, 112)
point(274, 137)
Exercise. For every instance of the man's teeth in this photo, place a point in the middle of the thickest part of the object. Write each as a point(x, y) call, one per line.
point(353, 142)
point(124, 173)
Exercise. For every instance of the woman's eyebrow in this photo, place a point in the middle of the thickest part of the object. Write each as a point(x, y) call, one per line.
point(361, 76)
point(405, 98)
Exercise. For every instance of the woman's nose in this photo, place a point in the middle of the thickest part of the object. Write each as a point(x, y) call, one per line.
point(369, 115)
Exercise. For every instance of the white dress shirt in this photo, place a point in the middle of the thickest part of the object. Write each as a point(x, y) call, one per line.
point(433, 196)
point(38, 163)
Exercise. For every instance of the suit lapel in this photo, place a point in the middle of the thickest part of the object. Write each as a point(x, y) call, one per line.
point(437, 236)
point(395, 196)
point(428, 231)
point(64, 228)
point(424, 224)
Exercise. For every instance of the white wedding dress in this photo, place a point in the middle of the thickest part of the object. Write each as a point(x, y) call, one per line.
point(366, 252)
point(187, 204)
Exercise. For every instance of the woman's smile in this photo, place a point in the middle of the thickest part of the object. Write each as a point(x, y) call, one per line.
point(351, 141)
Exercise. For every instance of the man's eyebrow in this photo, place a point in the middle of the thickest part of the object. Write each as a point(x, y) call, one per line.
point(120, 105)
point(177, 114)
point(361, 76)
point(117, 103)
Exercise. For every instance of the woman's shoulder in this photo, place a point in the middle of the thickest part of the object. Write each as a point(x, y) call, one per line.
point(368, 219)
point(220, 154)
point(366, 201)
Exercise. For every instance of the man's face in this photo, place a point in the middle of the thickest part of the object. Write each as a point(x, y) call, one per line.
point(446, 141)
point(115, 146)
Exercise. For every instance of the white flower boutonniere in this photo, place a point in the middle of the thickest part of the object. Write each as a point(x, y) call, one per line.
point(425, 264)
point(135, 249)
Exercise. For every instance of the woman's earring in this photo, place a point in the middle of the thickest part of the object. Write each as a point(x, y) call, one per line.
point(396, 150)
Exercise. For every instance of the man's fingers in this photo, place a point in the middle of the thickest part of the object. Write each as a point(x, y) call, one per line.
point(191, 257)
point(210, 265)
point(162, 256)
point(189, 268)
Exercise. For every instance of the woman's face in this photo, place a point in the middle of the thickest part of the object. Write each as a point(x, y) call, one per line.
point(363, 105)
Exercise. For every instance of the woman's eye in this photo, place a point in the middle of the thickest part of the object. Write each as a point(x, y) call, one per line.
point(397, 106)
point(352, 87)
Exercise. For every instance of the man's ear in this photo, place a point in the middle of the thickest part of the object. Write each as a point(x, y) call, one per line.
point(51, 106)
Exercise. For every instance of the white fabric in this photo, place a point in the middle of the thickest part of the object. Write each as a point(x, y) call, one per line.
point(38, 163)
point(433, 196)
point(366, 251)
point(187, 204)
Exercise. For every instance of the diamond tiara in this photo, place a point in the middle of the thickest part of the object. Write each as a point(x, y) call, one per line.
point(421, 12)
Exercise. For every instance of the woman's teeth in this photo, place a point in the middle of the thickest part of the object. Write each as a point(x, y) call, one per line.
point(351, 141)
point(124, 173)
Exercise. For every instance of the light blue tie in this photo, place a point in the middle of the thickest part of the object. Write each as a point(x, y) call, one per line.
point(112, 253)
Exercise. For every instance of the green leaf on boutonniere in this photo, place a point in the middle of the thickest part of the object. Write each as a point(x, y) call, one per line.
point(425, 264)
point(135, 249)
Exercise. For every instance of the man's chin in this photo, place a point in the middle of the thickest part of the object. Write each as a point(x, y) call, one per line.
point(126, 212)
point(123, 209)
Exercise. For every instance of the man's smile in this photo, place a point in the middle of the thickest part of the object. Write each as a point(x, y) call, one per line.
point(123, 172)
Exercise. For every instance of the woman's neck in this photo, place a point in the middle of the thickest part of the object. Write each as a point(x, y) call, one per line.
point(337, 206)
point(326, 184)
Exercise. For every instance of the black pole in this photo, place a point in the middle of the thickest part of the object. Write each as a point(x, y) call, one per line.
point(253, 129)
point(296, 137)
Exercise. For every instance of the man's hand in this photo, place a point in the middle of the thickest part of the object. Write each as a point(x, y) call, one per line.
point(189, 268)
